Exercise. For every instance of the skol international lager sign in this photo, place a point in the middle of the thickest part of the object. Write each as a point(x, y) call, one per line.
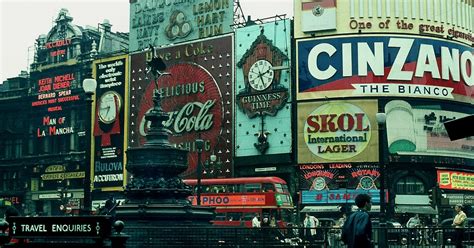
point(336, 131)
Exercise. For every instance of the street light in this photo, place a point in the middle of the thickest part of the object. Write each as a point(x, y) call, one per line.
point(89, 85)
point(381, 120)
point(199, 146)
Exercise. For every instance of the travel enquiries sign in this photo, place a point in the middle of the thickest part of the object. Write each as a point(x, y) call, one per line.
point(337, 131)
point(60, 226)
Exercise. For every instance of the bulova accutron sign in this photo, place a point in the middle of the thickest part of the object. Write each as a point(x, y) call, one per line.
point(262, 93)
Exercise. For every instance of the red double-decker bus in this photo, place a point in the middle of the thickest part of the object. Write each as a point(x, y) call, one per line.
point(237, 200)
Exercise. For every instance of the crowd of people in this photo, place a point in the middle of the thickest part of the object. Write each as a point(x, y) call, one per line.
point(355, 230)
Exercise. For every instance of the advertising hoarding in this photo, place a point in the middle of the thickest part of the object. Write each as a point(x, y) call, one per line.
point(263, 50)
point(55, 96)
point(109, 122)
point(449, 19)
point(196, 94)
point(417, 129)
point(455, 180)
point(169, 22)
point(337, 131)
point(337, 196)
point(339, 175)
point(384, 65)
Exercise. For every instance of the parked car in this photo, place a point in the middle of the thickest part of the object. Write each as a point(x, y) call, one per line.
point(395, 233)
point(448, 231)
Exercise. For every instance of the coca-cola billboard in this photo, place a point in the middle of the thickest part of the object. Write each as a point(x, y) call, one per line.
point(197, 95)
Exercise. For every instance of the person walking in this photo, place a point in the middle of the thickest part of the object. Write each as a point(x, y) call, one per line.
point(459, 223)
point(414, 221)
point(256, 221)
point(357, 230)
point(310, 223)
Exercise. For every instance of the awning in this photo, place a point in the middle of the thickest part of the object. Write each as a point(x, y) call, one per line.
point(415, 209)
point(316, 209)
point(333, 208)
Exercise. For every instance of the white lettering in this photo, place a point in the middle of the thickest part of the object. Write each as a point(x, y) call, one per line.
point(368, 58)
point(313, 61)
point(426, 62)
point(396, 72)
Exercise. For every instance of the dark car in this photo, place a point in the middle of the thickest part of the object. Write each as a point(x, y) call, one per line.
point(395, 233)
point(448, 230)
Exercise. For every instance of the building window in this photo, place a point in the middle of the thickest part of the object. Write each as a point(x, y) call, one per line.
point(9, 180)
point(18, 148)
point(410, 185)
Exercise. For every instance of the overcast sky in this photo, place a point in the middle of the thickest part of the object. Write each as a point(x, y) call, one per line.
point(22, 21)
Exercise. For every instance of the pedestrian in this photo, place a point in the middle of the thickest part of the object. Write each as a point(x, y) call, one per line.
point(273, 222)
point(256, 221)
point(459, 223)
point(414, 221)
point(310, 223)
point(357, 230)
point(414, 234)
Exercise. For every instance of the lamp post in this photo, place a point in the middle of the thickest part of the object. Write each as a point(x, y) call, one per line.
point(89, 85)
point(381, 119)
point(199, 146)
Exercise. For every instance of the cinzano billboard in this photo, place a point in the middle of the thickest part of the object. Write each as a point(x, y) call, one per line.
point(384, 65)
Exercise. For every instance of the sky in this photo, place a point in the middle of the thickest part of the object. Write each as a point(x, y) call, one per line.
point(23, 21)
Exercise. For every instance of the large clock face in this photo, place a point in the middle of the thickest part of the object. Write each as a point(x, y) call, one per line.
point(260, 75)
point(109, 107)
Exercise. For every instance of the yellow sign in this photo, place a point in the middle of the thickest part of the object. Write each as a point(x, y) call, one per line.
point(439, 18)
point(61, 176)
point(337, 131)
point(54, 168)
point(456, 180)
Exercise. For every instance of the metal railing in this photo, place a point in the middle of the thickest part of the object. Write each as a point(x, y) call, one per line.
point(239, 237)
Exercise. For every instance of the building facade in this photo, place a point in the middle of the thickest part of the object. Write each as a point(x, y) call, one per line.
point(408, 63)
point(43, 158)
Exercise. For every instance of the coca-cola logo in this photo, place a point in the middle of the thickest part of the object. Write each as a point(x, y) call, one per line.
point(184, 120)
point(193, 101)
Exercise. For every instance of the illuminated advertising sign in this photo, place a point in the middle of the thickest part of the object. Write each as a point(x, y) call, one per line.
point(109, 125)
point(339, 175)
point(231, 200)
point(165, 22)
point(384, 65)
point(455, 180)
point(417, 129)
point(197, 95)
point(263, 80)
point(337, 131)
point(447, 19)
point(58, 48)
point(340, 196)
point(54, 92)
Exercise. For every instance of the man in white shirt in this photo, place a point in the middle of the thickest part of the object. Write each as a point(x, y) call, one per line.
point(256, 221)
point(459, 223)
point(310, 223)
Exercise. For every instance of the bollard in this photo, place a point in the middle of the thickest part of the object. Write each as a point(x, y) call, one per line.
point(119, 239)
point(4, 237)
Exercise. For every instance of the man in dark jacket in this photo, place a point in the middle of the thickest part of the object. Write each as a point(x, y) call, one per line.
point(357, 230)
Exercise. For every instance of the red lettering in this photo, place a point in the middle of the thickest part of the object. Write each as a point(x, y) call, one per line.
point(312, 122)
point(360, 121)
point(52, 130)
point(325, 122)
point(333, 122)
point(341, 122)
point(46, 120)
